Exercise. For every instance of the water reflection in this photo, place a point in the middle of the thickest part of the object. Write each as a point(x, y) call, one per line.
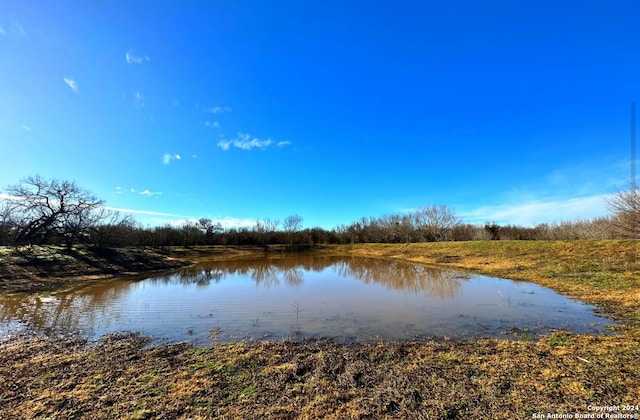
point(266, 272)
point(63, 312)
point(274, 271)
point(401, 276)
point(345, 298)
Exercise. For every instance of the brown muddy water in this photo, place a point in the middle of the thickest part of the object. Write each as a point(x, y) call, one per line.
point(344, 299)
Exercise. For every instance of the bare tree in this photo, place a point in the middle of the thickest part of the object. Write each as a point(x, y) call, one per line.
point(436, 221)
point(625, 206)
point(265, 228)
point(7, 223)
point(52, 210)
point(113, 229)
point(267, 225)
point(292, 223)
point(210, 229)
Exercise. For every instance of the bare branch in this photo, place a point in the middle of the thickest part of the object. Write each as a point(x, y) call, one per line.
point(48, 209)
point(625, 207)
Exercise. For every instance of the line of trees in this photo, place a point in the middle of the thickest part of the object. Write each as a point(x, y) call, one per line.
point(50, 211)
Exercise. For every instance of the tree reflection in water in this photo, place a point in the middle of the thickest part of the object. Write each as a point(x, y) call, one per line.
point(304, 294)
point(269, 272)
point(406, 277)
point(67, 312)
point(79, 310)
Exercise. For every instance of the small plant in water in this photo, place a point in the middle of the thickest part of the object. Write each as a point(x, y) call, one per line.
point(297, 306)
point(523, 333)
point(214, 333)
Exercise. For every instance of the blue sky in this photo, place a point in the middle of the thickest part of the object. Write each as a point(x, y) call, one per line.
point(507, 111)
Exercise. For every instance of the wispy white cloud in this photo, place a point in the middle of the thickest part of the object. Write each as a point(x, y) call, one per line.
point(234, 222)
point(588, 178)
point(168, 157)
point(135, 59)
point(213, 124)
point(162, 218)
point(244, 142)
point(26, 127)
point(139, 99)
point(19, 30)
point(248, 142)
point(146, 192)
point(72, 84)
point(224, 144)
point(5, 196)
point(576, 191)
point(533, 212)
point(120, 190)
point(144, 212)
point(13, 29)
point(218, 109)
point(149, 193)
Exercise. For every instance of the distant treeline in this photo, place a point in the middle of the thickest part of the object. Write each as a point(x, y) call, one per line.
point(371, 231)
point(41, 211)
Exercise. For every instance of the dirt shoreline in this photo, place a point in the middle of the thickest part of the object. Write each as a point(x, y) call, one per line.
point(562, 373)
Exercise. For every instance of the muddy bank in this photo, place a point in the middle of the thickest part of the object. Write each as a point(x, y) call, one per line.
point(45, 267)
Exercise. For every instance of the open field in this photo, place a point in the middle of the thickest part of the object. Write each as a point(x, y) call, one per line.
point(559, 374)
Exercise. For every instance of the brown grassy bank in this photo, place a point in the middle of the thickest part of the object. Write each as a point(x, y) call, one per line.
point(560, 374)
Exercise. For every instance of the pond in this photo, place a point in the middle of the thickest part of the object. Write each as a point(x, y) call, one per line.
point(345, 299)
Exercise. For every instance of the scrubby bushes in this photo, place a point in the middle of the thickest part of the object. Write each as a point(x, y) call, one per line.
point(40, 211)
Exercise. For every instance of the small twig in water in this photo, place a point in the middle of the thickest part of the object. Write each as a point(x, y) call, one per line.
point(297, 306)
